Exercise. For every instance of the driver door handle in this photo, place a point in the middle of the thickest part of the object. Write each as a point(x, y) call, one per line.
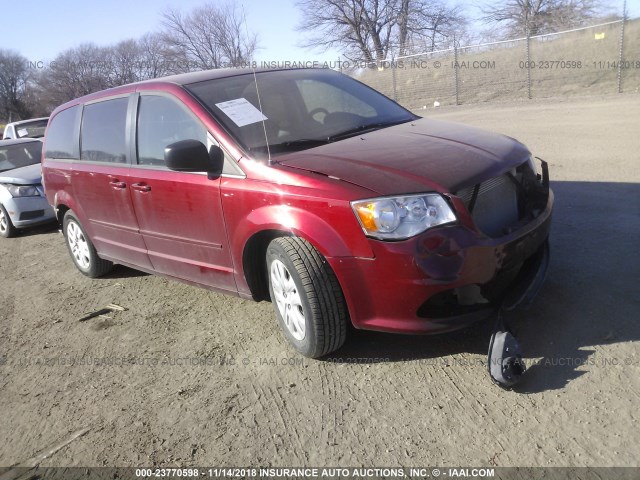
point(117, 184)
point(141, 187)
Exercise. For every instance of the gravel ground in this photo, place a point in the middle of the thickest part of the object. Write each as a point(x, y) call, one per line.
point(214, 383)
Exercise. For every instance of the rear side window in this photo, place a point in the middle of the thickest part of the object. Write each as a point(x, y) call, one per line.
point(103, 134)
point(161, 122)
point(62, 136)
point(33, 129)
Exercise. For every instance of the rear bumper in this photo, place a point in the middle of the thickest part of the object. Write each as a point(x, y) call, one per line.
point(29, 211)
point(446, 278)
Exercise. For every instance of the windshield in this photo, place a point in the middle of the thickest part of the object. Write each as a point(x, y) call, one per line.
point(19, 155)
point(33, 129)
point(295, 109)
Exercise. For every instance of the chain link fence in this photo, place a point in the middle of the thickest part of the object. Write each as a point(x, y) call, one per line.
point(592, 60)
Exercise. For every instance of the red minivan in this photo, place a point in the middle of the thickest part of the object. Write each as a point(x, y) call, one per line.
point(306, 187)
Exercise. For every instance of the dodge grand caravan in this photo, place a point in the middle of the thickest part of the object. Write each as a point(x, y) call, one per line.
point(305, 187)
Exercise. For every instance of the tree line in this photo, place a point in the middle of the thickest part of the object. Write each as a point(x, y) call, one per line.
point(375, 30)
point(216, 36)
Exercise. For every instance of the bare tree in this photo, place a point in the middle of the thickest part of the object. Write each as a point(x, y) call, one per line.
point(124, 62)
point(520, 17)
point(372, 30)
point(89, 68)
point(210, 36)
point(430, 25)
point(360, 28)
point(156, 57)
point(77, 72)
point(14, 85)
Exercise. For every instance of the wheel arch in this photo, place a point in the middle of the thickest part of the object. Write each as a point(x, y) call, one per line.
point(254, 261)
point(269, 222)
point(61, 210)
point(62, 203)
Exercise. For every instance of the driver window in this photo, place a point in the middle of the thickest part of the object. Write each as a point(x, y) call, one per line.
point(161, 122)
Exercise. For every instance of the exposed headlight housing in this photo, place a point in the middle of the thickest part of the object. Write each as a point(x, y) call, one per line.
point(401, 217)
point(23, 190)
point(532, 164)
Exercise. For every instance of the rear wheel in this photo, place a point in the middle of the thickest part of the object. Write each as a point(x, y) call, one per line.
point(7, 230)
point(307, 297)
point(82, 251)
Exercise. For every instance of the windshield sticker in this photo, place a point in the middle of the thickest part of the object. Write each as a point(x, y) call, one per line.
point(23, 132)
point(241, 112)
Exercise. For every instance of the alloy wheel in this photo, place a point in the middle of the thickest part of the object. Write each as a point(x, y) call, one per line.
point(78, 245)
point(3, 222)
point(288, 299)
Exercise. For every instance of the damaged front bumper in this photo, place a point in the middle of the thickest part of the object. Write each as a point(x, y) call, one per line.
point(448, 277)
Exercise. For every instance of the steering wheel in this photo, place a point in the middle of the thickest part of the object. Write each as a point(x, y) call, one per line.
point(318, 110)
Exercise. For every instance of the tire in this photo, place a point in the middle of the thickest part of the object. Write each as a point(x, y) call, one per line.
point(307, 297)
point(7, 230)
point(82, 251)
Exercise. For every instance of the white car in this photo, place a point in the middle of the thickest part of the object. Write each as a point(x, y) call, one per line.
point(32, 128)
point(22, 200)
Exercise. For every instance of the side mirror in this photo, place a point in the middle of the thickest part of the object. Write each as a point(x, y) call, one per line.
point(192, 156)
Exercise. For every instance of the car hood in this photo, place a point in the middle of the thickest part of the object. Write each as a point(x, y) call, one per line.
point(414, 157)
point(29, 175)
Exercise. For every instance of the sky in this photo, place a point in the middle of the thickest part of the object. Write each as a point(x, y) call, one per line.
point(60, 25)
point(47, 28)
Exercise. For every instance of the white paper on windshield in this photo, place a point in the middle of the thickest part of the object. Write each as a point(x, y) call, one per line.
point(23, 132)
point(241, 112)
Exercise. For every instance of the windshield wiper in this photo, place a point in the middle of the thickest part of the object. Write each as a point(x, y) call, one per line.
point(364, 128)
point(302, 143)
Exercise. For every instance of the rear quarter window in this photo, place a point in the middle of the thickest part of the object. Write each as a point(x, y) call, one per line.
point(103, 133)
point(62, 136)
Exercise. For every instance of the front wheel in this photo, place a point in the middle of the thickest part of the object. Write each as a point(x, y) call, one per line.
point(82, 251)
point(7, 230)
point(307, 297)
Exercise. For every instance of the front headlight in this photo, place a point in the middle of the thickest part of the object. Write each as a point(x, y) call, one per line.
point(397, 218)
point(23, 190)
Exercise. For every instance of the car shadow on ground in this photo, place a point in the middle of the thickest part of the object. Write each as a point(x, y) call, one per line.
point(590, 298)
point(38, 229)
point(120, 271)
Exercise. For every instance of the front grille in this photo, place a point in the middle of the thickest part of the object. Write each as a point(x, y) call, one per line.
point(31, 214)
point(500, 204)
point(467, 193)
point(495, 206)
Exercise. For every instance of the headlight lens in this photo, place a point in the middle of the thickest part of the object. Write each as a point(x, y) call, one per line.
point(397, 218)
point(23, 190)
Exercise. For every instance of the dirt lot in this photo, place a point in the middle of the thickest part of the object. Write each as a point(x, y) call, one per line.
point(214, 383)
